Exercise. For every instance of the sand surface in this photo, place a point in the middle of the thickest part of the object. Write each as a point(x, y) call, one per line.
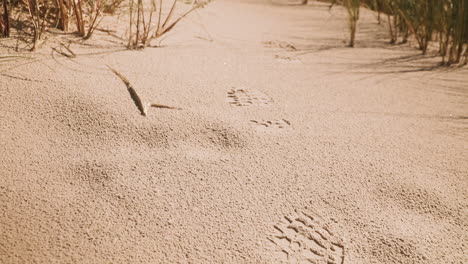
point(289, 148)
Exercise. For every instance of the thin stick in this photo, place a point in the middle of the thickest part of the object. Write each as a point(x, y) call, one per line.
point(159, 19)
point(136, 99)
point(170, 14)
point(73, 54)
point(165, 106)
point(130, 36)
point(165, 30)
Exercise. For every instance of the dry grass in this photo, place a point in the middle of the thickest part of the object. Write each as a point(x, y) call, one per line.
point(442, 21)
point(147, 20)
point(133, 94)
point(144, 28)
point(136, 98)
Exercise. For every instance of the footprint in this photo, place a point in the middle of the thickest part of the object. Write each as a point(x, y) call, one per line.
point(305, 238)
point(243, 97)
point(286, 59)
point(279, 44)
point(272, 124)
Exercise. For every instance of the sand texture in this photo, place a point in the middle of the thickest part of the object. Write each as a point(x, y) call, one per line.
point(284, 146)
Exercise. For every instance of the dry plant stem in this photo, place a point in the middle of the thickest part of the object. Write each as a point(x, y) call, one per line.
point(143, 27)
point(164, 106)
point(352, 6)
point(73, 55)
point(411, 27)
point(170, 14)
point(392, 32)
point(43, 25)
point(139, 11)
point(136, 99)
point(79, 17)
point(159, 17)
point(466, 57)
point(353, 11)
point(210, 37)
point(33, 9)
point(147, 27)
point(5, 23)
point(63, 20)
point(130, 34)
point(112, 7)
point(165, 30)
point(93, 25)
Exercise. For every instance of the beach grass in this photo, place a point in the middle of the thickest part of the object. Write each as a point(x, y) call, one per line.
point(440, 22)
point(444, 22)
point(147, 20)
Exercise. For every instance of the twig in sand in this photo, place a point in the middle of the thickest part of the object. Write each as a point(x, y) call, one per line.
point(71, 55)
point(165, 106)
point(105, 30)
point(136, 99)
point(69, 50)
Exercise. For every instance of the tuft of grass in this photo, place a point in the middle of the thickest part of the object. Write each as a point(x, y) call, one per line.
point(145, 30)
point(43, 14)
point(83, 17)
point(444, 22)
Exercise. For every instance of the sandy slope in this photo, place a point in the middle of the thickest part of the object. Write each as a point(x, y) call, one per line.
point(322, 154)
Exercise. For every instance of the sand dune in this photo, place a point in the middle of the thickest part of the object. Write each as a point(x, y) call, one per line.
point(289, 147)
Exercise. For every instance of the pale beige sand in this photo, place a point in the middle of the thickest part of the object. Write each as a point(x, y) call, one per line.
point(369, 142)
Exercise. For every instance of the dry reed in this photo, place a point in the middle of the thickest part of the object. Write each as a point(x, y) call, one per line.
point(441, 21)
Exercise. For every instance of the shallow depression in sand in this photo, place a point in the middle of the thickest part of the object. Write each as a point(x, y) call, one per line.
point(90, 123)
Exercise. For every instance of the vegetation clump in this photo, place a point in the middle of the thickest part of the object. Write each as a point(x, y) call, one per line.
point(442, 21)
point(84, 16)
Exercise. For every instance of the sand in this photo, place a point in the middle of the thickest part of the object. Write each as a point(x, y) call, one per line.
point(289, 148)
